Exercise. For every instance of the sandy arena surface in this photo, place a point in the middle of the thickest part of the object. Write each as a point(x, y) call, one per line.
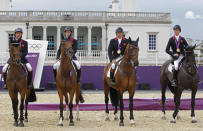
point(94, 121)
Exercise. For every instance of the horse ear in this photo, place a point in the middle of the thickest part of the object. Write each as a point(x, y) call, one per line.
point(130, 40)
point(194, 47)
point(137, 41)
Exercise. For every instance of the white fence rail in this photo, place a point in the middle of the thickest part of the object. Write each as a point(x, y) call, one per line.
point(100, 57)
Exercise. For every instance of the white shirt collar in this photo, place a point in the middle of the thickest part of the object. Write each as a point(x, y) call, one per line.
point(119, 40)
point(177, 37)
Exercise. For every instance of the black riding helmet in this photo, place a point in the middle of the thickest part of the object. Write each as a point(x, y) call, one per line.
point(68, 29)
point(177, 27)
point(18, 30)
point(119, 30)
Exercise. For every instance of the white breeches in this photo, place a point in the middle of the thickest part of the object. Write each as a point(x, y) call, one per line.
point(113, 66)
point(5, 68)
point(77, 64)
point(176, 62)
point(28, 66)
point(57, 65)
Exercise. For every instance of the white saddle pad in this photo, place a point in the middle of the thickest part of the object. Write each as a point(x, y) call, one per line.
point(108, 74)
point(170, 68)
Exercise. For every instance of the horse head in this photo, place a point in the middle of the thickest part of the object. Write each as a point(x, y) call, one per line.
point(132, 51)
point(15, 53)
point(190, 62)
point(66, 49)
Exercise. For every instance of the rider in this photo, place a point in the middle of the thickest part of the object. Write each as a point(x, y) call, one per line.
point(68, 37)
point(177, 43)
point(24, 51)
point(116, 51)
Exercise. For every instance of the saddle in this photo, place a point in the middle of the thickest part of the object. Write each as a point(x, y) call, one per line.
point(109, 70)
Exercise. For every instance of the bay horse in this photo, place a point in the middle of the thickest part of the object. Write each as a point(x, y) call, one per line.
point(17, 83)
point(66, 82)
point(125, 80)
point(187, 77)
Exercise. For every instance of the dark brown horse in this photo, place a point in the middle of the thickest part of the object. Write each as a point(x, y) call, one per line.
point(17, 83)
point(66, 82)
point(125, 79)
point(188, 78)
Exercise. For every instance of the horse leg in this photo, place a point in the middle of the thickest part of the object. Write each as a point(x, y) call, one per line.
point(15, 110)
point(26, 113)
point(175, 97)
point(177, 103)
point(115, 113)
point(71, 107)
point(194, 91)
point(61, 107)
point(77, 102)
point(163, 100)
point(21, 109)
point(26, 105)
point(106, 93)
point(67, 110)
point(131, 94)
point(121, 110)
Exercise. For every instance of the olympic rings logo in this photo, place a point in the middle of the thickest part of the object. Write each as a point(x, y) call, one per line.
point(35, 47)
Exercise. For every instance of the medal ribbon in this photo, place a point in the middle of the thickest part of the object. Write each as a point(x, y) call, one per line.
point(177, 42)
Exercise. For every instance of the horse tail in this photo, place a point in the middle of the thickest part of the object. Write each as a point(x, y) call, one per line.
point(114, 97)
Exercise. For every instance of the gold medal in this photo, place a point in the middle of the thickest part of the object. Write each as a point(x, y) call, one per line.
point(119, 51)
point(178, 50)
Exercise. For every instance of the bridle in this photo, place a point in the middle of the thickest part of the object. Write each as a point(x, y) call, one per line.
point(68, 52)
point(131, 62)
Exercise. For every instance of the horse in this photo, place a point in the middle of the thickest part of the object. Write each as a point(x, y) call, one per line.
point(125, 80)
point(66, 83)
point(17, 83)
point(187, 77)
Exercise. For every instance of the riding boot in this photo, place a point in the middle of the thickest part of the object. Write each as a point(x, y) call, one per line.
point(174, 81)
point(30, 79)
point(32, 97)
point(112, 83)
point(4, 77)
point(78, 76)
point(54, 71)
point(81, 98)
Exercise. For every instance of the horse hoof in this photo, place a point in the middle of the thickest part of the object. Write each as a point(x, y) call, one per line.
point(107, 119)
point(194, 121)
point(67, 118)
point(71, 124)
point(15, 124)
point(178, 118)
point(121, 124)
point(163, 118)
point(21, 124)
point(116, 118)
point(60, 124)
point(78, 119)
point(173, 121)
point(26, 120)
point(132, 123)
